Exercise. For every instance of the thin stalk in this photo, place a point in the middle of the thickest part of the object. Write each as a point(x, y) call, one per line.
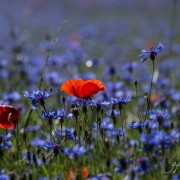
point(150, 91)
point(51, 125)
point(48, 53)
point(137, 102)
point(18, 147)
point(45, 126)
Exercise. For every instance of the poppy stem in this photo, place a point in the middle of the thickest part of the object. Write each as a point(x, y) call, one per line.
point(17, 144)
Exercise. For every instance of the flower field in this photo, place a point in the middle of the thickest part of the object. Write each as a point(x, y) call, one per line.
point(89, 90)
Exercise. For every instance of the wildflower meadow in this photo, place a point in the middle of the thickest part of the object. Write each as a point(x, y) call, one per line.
point(89, 90)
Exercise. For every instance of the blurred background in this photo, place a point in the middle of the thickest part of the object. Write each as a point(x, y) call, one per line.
point(130, 21)
point(99, 36)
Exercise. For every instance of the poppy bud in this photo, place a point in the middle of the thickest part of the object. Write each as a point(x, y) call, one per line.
point(63, 99)
point(30, 177)
point(108, 163)
point(29, 156)
point(98, 108)
point(38, 150)
point(34, 159)
point(135, 82)
point(75, 112)
point(24, 176)
point(146, 99)
point(117, 138)
point(75, 134)
point(24, 136)
point(84, 109)
point(43, 158)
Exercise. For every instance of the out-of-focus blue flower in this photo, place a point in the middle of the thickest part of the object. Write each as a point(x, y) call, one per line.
point(138, 124)
point(34, 128)
point(106, 124)
point(130, 66)
point(68, 133)
point(102, 176)
point(29, 157)
point(3, 176)
point(176, 177)
point(175, 134)
point(75, 152)
point(162, 102)
point(37, 142)
point(56, 147)
point(5, 143)
point(116, 132)
point(123, 165)
point(43, 178)
point(156, 139)
point(159, 115)
point(13, 96)
point(153, 125)
point(100, 103)
point(151, 53)
point(143, 166)
point(113, 112)
point(37, 96)
point(120, 100)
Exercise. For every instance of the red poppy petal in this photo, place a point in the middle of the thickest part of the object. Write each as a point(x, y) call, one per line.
point(82, 88)
point(8, 116)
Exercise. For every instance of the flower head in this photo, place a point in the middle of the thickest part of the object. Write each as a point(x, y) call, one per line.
point(5, 143)
point(76, 151)
point(143, 165)
point(140, 125)
point(37, 96)
point(151, 53)
point(9, 116)
point(82, 88)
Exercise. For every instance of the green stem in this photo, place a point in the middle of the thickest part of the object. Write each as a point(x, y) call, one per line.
point(137, 102)
point(151, 85)
point(48, 53)
point(18, 148)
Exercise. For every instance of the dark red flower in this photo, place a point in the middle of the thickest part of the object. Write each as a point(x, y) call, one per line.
point(8, 116)
point(82, 88)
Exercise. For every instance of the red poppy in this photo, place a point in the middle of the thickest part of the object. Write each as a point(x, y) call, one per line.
point(82, 88)
point(8, 116)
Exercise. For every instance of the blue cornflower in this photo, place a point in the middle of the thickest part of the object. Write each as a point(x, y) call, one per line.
point(5, 143)
point(159, 115)
point(106, 124)
point(120, 131)
point(75, 152)
point(97, 103)
point(113, 112)
point(101, 176)
point(123, 165)
point(151, 53)
point(34, 128)
point(3, 176)
point(68, 133)
point(120, 100)
point(37, 96)
point(52, 114)
point(154, 140)
point(140, 125)
point(56, 147)
point(37, 142)
point(176, 177)
point(143, 166)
